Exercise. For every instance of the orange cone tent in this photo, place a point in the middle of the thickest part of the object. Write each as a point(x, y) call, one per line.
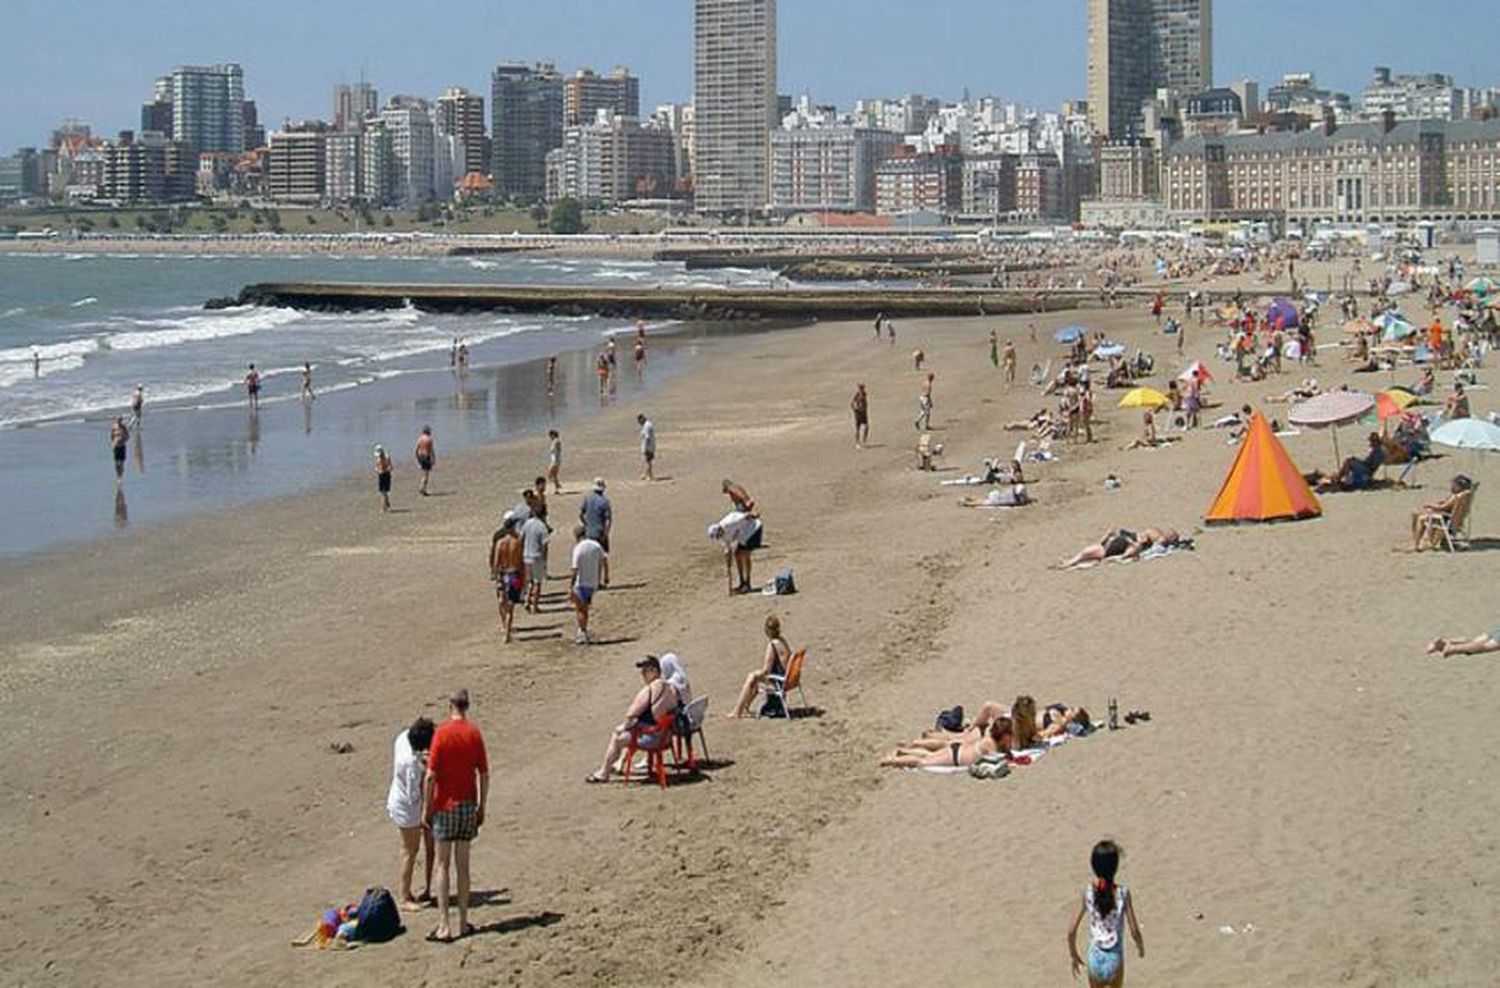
point(1264, 484)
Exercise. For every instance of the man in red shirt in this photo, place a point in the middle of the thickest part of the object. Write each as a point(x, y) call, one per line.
point(454, 795)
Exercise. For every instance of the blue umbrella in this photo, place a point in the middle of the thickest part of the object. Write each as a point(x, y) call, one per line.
point(1069, 334)
point(1285, 311)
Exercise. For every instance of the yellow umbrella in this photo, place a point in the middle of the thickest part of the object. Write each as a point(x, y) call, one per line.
point(1400, 397)
point(1144, 398)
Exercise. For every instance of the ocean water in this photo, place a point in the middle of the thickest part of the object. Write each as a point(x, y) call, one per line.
point(101, 324)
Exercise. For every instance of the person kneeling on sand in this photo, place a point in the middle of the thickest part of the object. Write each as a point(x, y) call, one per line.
point(656, 698)
point(997, 740)
point(1122, 544)
point(778, 654)
point(1478, 645)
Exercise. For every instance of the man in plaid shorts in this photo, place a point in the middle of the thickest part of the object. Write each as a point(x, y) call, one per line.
point(454, 793)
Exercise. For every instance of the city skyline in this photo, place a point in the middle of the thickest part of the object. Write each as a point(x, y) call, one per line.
point(99, 65)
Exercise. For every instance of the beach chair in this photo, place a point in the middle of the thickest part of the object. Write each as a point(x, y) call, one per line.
point(695, 713)
point(659, 743)
point(1451, 531)
point(781, 686)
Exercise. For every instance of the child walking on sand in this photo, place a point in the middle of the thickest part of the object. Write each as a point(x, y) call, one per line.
point(1108, 907)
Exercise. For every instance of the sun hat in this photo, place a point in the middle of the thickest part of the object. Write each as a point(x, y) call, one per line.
point(598, 483)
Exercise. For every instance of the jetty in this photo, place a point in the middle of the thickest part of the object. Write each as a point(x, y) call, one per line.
point(664, 302)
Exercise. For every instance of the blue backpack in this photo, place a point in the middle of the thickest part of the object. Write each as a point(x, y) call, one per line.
point(379, 919)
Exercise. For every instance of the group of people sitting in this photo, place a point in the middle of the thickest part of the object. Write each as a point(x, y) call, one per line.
point(997, 733)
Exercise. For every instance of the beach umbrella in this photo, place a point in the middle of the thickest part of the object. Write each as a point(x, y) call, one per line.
point(1395, 327)
point(1475, 434)
point(1386, 406)
point(1104, 351)
point(1144, 398)
point(1331, 410)
point(1283, 310)
point(1197, 370)
point(1069, 334)
point(1402, 397)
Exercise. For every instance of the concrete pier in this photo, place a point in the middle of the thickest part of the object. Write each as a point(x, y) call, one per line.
point(676, 303)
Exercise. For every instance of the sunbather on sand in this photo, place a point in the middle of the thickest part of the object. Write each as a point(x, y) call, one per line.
point(997, 740)
point(1009, 496)
point(1148, 439)
point(1121, 544)
point(1487, 642)
point(1026, 725)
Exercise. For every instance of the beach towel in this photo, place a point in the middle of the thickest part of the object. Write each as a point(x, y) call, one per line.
point(1158, 551)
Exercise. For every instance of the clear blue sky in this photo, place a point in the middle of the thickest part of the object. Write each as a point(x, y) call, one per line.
point(96, 59)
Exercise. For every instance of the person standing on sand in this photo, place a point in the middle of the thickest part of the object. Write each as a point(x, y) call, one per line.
point(119, 437)
point(1031, 331)
point(551, 376)
point(404, 805)
point(252, 386)
point(648, 445)
point(307, 388)
point(860, 405)
point(879, 325)
point(534, 533)
point(601, 370)
point(554, 460)
point(426, 454)
point(890, 331)
point(924, 404)
point(508, 570)
point(454, 794)
point(1108, 907)
point(994, 349)
point(598, 517)
point(383, 477)
point(590, 562)
point(1009, 361)
point(137, 405)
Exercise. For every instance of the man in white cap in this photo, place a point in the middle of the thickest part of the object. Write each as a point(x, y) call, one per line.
point(598, 518)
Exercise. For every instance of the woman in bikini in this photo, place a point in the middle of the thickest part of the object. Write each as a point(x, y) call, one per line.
point(998, 740)
point(778, 654)
point(1121, 544)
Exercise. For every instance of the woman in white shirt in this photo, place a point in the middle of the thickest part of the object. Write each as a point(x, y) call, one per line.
point(404, 804)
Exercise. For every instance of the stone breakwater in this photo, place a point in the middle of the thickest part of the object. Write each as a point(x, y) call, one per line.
point(673, 303)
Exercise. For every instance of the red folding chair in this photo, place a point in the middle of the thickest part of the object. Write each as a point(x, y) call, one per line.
point(655, 741)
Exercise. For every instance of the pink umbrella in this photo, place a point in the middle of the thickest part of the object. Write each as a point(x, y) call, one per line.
point(1331, 410)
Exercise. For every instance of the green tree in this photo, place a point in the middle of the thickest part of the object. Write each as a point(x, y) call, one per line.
point(567, 217)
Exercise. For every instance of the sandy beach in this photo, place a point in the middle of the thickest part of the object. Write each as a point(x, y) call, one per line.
point(1310, 803)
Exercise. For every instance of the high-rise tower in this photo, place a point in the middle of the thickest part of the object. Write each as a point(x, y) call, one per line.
point(734, 103)
point(1136, 47)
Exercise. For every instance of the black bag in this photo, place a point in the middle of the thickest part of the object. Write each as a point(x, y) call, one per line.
point(379, 919)
point(774, 706)
point(682, 724)
point(951, 720)
point(784, 583)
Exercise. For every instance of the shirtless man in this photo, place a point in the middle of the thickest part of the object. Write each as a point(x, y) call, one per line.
point(924, 404)
point(137, 404)
point(860, 405)
point(119, 436)
point(508, 569)
point(551, 376)
point(1008, 361)
point(426, 453)
point(252, 386)
point(307, 388)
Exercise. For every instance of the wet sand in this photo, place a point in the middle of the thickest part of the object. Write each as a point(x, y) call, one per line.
point(1309, 779)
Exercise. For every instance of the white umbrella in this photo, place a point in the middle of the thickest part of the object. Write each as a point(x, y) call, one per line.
point(1476, 434)
point(1331, 410)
